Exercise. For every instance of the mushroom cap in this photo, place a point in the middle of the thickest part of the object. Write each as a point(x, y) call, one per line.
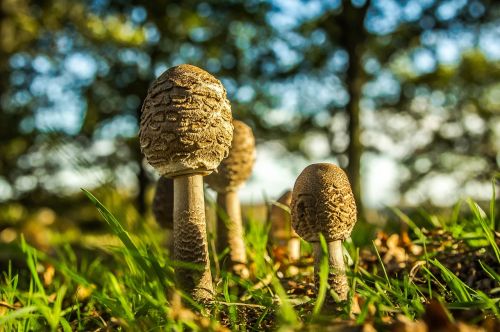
point(234, 170)
point(163, 202)
point(322, 202)
point(186, 122)
point(280, 219)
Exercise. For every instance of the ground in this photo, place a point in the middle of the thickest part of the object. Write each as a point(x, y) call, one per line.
point(439, 274)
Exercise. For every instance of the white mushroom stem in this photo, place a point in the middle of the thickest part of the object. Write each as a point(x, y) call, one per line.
point(294, 249)
point(190, 237)
point(337, 278)
point(230, 231)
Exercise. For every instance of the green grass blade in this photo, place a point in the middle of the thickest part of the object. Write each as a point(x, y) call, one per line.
point(119, 231)
point(65, 325)
point(492, 204)
point(485, 225)
point(120, 296)
point(323, 277)
point(57, 308)
point(461, 291)
point(233, 315)
point(382, 264)
point(31, 261)
point(407, 220)
point(454, 218)
point(164, 275)
point(23, 313)
point(490, 271)
point(286, 312)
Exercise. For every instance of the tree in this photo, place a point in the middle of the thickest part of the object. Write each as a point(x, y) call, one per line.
point(98, 58)
point(328, 70)
point(461, 133)
point(355, 42)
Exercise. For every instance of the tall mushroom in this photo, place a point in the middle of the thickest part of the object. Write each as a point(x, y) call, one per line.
point(232, 172)
point(163, 207)
point(282, 233)
point(323, 203)
point(186, 130)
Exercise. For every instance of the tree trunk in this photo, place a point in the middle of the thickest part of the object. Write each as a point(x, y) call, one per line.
point(351, 20)
point(355, 82)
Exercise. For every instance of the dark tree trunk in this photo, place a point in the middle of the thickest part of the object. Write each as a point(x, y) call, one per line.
point(355, 81)
point(352, 39)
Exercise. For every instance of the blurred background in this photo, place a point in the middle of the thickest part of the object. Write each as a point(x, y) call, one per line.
point(403, 94)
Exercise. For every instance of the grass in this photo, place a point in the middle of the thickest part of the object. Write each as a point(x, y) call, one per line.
point(129, 285)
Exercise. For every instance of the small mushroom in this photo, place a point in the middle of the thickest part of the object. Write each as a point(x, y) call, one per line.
point(186, 130)
point(323, 203)
point(232, 172)
point(282, 233)
point(163, 207)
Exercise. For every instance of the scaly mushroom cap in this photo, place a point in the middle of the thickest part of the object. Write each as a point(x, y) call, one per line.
point(280, 219)
point(163, 202)
point(322, 202)
point(234, 170)
point(186, 122)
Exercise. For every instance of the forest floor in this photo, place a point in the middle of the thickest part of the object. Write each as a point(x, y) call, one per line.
point(441, 274)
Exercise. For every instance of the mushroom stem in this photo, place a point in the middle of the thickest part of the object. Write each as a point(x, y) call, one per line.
point(190, 237)
point(230, 232)
point(294, 249)
point(337, 278)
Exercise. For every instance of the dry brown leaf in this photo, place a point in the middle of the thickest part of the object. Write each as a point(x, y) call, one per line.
point(355, 308)
point(405, 324)
point(368, 327)
point(48, 274)
point(84, 292)
point(462, 327)
point(438, 317)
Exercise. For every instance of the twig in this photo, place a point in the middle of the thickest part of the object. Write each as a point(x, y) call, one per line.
point(243, 304)
point(10, 306)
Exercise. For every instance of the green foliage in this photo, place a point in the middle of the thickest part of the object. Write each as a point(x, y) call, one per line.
point(264, 64)
point(419, 117)
point(93, 61)
point(323, 278)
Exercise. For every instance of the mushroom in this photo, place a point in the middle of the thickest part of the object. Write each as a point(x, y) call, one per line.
point(282, 233)
point(163, 207)
point(186, 130)
point(323, 203)
point(232, 172)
